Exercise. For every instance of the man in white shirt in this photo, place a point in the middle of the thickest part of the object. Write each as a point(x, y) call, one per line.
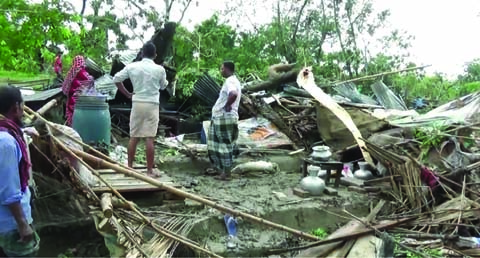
point(223, 131)
point(147, 79)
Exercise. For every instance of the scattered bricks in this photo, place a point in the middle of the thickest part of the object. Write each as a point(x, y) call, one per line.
point(331, 191)
point(301, 193)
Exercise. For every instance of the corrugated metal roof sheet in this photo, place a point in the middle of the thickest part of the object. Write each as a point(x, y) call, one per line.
point(42, 95)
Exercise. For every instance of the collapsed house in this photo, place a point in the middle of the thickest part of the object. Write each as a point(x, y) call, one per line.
point(420, 170)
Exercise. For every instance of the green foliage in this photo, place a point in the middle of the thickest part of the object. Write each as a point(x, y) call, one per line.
point(434, 253)
point(429, 252)
point(205, 48)
point(324, 35)
point(170, 152)
point(435, 88)
point(69, 253)
point(472, 71)
point(31, 29)
point(320, 233)
point(141, 155)
point(21, 76)
point(430, 137)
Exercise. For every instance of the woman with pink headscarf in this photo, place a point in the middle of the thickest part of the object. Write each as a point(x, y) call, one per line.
point(77, 80)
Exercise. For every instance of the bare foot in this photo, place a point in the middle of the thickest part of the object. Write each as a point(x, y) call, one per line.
point(153, 174)
point(223, 177)
point(210, 171)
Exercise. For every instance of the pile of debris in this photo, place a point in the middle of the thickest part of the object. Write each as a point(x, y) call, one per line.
point(424, 167)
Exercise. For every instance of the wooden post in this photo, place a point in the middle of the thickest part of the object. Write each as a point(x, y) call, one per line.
point(106, 204)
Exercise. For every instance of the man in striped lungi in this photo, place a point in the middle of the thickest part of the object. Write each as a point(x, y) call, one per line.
point(223, 131)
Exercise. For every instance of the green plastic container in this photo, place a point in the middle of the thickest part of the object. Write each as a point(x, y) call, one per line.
point(91, 119)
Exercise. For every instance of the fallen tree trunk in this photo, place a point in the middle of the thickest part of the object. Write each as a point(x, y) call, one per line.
point(305, 80)
point(277, 75)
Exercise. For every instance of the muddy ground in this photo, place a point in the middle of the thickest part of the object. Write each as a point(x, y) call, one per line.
point(268, 196)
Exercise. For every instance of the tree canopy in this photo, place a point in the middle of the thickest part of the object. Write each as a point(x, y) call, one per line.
point(337, 38)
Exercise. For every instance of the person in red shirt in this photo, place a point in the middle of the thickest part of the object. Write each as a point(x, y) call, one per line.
point(57, 66)
point(76, 81)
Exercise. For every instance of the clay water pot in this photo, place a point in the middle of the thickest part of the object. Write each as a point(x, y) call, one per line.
point(363, 172)
point(321, 153)
point(313, 184)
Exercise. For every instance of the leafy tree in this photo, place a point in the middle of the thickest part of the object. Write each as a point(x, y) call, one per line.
point(472, 71)
point(33, 31)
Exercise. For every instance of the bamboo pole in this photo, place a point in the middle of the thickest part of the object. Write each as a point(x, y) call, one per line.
point(47, 106)
point(374, 76)
point(106, 205)
point(187, 195)
point(306, 81)
point(118, 203)
point(89, 189)
point(158, 228)
point(133, 173)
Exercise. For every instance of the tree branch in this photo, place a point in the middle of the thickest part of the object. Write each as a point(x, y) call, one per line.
point(136, 5)
point(184, 10)
point(83, 7)
point(168, 9)
point(297, 23)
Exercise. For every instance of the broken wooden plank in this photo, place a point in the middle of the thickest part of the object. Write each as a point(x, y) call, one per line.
point(132, 184)
point(352, 242)
point(124, 183)
point(122, 189)
point(138, 168)
point(113, 176)
point(306, 81)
